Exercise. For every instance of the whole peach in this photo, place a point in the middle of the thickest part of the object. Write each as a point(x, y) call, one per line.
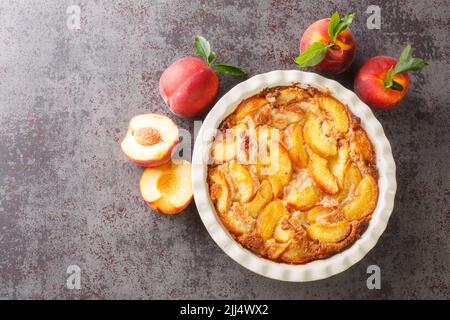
point(339, 56)
point(189, 86)
point(369, 83)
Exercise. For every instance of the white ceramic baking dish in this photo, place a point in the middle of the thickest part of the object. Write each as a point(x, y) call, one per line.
point(318, 269)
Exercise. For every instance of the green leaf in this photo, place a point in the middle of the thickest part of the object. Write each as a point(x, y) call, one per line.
point(413, 64)
point(405, 54)
point(389, 78)
point(212, 58)
point(406, 63)
point(335, 18)
point(337, 25)
point(313, 55)
point(202, 47)
point(229, 69)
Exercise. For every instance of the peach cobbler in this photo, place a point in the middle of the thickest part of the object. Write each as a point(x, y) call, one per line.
point(292, 174)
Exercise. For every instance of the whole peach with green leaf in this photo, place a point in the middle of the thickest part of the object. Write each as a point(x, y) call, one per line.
point(328, 45)
point(383, 81)
point(190, 85)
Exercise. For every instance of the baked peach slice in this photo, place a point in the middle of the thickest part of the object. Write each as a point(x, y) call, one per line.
point(352, 177)
point(304, 199)
point(284, 116)
point(318, 169)
point(279, 169)
point(318, 214)
point(275, 249)
point(294, 142)
point(219, 190)
point(237, 220)
point(248, 106)
point(336, 111)
point(167, 188)
point(339, 163)
point(269, 217)
point(243, 181)
point(228, 144)
point(364, 200)
point(317, 140)
point(263, 196)
point(282, 233)
point(291, 94)
point(362, 147)
point(150, 139)
point(333, 232)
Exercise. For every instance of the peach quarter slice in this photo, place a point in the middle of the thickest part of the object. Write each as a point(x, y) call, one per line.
point(167, 188)
point(150, 139)
point(317, 140)
point(318, 168)
point(364, 200)
point(336, 111)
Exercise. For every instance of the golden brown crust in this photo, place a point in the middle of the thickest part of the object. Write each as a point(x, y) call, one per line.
point(291, 232)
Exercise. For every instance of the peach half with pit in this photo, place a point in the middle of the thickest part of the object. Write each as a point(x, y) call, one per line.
point(150, 139)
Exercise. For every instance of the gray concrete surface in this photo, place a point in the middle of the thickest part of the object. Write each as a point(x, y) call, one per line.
point(68, 195)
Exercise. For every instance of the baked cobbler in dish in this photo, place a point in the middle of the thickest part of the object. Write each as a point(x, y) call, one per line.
point(292, 174)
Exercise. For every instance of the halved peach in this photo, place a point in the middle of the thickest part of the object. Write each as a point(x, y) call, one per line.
point(264, 195)
point(336, 111)
point(317, 140)
point(352, 177)
point(293, 140)
point(320, 173)
point(243, 181)
point(150, 139)
point(339, 163)
point(219, 190)
point(333, 232)
point(269, 218)
point(167, 188)
point(304, 199)
point(364, 200)
point(248, 106)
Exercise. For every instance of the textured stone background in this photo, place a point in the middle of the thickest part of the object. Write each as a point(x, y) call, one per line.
point(68, 195)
